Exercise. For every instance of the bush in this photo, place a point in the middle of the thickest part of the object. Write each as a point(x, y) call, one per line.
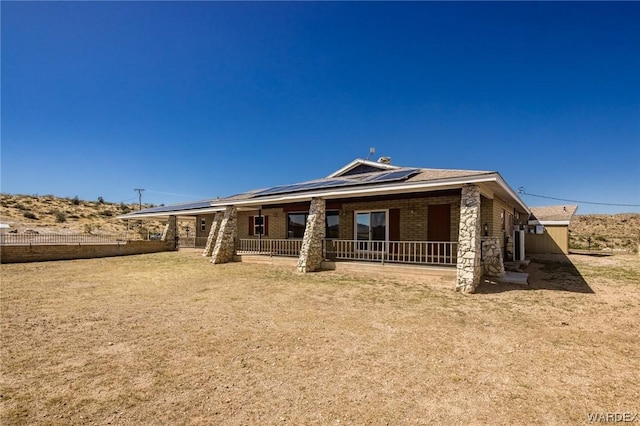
point(61, 217)
point(30, 215)
point(124, 208)
point(75, 201)
point(107, 213)
point(100, 200)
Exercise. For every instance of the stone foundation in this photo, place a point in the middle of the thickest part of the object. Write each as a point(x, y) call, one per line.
point(493, 264)
point(469, 268)
point(213, 235)
point(311, 255)
point(224, 248)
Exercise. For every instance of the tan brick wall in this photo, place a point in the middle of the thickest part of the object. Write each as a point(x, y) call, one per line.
point(208, 221)
point(277, 223)
point(39, 253)
point(414, 215)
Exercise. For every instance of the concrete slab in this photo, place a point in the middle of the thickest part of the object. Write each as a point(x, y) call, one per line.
point(511, 277)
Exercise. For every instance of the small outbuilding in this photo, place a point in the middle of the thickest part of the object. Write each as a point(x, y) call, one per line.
point(549, 229)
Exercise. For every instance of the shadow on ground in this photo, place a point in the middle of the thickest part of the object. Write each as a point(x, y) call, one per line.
point(546, 272)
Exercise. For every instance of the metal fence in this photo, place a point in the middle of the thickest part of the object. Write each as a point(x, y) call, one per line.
point(51, 239)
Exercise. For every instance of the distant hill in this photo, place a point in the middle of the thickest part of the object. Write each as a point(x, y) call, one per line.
point(618, 232)
point(51, 214)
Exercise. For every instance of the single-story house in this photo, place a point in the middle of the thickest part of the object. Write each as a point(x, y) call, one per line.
point(366, 211)
point(549, 229)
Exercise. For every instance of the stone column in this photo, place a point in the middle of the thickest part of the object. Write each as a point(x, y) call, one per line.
point(213, 234)
point(224, 248)
point(311, 252)
point(170, 232)
point(469, 269)
point(493, 264)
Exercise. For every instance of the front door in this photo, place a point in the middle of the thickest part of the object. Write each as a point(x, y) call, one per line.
point(438, 233)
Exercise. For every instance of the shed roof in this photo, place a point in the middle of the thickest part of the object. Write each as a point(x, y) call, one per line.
point(561, 215)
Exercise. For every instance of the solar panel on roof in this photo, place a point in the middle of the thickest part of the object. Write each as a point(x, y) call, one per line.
point(393, 176)
point(390, 176)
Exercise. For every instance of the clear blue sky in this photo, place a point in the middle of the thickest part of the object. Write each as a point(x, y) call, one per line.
point(204, 99)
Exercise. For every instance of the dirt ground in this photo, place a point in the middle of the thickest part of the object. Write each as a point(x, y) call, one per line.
point(169, 338)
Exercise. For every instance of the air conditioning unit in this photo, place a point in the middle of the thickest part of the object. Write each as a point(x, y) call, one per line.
point(518, 245)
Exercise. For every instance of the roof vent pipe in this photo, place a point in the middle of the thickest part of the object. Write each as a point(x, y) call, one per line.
point(384, 160)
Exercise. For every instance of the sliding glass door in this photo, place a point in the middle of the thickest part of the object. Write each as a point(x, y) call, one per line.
point(371, 231)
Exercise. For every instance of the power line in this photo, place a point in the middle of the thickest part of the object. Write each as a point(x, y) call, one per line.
point(522, 191)
point(139, 196)
point(177, 195)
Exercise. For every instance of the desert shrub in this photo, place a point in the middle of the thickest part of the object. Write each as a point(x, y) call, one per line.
point(124, 208)
point(61, 217)
point(100, 200)
point(88, 228)
point(20, 206)
point(75, 201)
point(30, 215)
point(107, 213)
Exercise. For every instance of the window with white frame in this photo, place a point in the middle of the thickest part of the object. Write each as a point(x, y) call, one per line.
point(203, 224)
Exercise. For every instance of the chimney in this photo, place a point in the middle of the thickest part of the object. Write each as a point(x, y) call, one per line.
point(384, 160)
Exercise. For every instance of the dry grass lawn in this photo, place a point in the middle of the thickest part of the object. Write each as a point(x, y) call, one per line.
point(169, 338)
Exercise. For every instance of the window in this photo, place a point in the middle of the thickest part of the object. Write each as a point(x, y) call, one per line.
point(258, 225)
point(203, 224)
point(332, 220)
point(297, 222)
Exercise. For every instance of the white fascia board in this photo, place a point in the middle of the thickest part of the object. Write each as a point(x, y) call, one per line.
point(407, 187)
point(359, 161)
point(512, 193)
point(555, 222)
point(194, 212)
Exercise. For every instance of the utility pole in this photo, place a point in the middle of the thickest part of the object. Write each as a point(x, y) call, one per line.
point(139, 196)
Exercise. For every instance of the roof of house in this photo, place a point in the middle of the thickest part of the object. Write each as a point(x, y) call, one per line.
point(552, 215)
point(360, 178)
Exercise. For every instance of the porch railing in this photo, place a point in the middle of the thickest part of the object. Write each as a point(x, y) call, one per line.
point(272, 247)
point(416, 252)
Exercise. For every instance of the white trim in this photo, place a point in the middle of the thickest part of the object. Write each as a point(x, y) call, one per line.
point(386, 224)
point(550, 222)
point(358, 161)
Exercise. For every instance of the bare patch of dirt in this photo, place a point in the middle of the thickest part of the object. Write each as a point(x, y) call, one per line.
point(170, 338)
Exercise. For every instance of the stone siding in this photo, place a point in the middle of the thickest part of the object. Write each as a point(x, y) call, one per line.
point(311, 255)
point(170, 232)
point(214, 227)
point(492, 259)
point(224, 248)
point(469, 269)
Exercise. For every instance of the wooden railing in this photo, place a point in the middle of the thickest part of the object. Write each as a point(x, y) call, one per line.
point(415, 252)
point(272, 247)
